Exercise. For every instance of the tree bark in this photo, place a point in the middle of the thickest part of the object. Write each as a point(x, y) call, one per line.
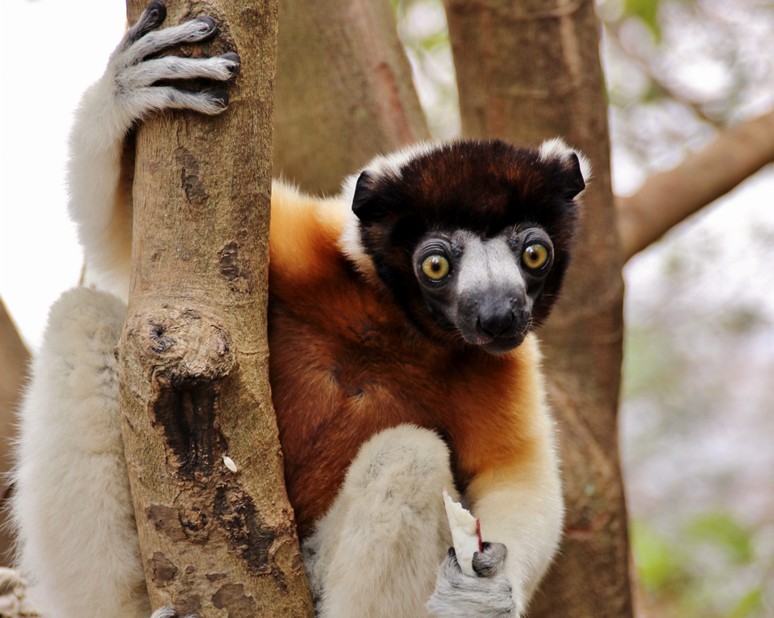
point(344, 91)
point(215, 525)
point(667, 198)
point(14, 360)
point(528, 71)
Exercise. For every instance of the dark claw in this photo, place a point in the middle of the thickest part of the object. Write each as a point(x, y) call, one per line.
point(234, 57)
point(154, 14)
point(221, 96)
point(212, 25)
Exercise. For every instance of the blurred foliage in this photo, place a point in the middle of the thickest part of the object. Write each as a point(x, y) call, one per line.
point(646, 11)
point(425, 36)
point(676, 583)
point(679, 70)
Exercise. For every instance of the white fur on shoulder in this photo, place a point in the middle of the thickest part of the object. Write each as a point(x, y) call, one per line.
point(72, 505)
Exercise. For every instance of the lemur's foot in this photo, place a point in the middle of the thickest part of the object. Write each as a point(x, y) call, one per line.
point(137, 75)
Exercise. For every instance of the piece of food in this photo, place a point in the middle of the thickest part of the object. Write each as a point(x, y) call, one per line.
point(465, 531)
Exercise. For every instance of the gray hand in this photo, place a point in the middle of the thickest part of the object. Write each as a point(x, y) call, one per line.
point(488, 595)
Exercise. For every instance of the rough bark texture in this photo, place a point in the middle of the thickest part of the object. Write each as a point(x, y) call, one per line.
point(528, 71)
point(344, 91)
point(216, 529)
point(14, 360)
point(669, 197)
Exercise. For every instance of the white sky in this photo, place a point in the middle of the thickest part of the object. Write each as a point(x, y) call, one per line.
point(50, 51)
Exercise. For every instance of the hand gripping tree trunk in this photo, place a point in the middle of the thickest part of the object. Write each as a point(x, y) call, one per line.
point(527, 71)
point(215, 525)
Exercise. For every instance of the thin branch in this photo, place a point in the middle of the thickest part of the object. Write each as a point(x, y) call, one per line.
point(667, 198)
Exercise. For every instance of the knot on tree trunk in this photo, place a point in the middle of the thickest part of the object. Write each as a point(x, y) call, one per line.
point(188, 354)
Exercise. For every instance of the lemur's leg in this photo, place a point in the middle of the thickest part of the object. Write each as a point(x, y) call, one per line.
point(71, 506)
point(125, 94)
point(377, 551)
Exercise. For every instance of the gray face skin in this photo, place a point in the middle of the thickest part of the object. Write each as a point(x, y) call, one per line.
point(484, 288)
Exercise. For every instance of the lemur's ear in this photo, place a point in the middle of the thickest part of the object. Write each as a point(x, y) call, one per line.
point(576, 169)
point(574, 183)
point(365, 204)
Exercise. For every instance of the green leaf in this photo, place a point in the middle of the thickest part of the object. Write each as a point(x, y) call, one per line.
point(723, 531)
point(647, 11)
point(660, 569)
point(749, 604)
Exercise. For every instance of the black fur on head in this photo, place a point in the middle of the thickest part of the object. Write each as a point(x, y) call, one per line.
point(484, 187)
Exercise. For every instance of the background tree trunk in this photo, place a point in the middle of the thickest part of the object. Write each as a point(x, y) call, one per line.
point(528, 71)
point(14, 360)
point(216, 529)
point(344, 91)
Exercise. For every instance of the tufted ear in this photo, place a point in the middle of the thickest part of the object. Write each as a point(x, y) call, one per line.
point(576, 169)
point(365, 202)
point(574, 183)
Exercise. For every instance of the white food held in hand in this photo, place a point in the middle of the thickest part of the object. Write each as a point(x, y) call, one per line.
point(465, 531)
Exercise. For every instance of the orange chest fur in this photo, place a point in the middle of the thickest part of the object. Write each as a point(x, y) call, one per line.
point(346, 365)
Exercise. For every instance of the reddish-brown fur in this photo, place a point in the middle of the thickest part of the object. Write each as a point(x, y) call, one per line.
point(345, 364)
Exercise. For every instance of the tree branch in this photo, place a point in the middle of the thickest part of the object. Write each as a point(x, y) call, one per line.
point(667, 198)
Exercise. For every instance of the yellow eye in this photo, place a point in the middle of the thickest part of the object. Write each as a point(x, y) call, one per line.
point(535, 256)
point(435, 267)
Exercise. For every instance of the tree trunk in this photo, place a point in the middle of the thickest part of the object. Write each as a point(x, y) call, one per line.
point(215, 526)
point(344, 91)
point(528, 71)
point(14, 360)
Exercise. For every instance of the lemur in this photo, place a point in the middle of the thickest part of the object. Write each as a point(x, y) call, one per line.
point(403, 362)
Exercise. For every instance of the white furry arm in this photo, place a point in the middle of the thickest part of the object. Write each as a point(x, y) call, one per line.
point(129, 90)
point(102, 214)
point(71, 506)
point(522, 508)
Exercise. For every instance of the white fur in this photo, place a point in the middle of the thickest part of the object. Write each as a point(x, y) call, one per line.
point(352, 247)
point(556, 148)
point(72, 506)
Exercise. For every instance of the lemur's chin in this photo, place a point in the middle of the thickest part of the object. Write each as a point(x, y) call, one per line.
point(495, 345)
point(503, 345)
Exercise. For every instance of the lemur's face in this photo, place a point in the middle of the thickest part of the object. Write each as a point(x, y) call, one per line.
point(484, 288)
point(472, 238)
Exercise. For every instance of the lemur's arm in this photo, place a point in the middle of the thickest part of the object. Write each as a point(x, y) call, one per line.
point(521, 511)
point(517, 496)
point(125, 94)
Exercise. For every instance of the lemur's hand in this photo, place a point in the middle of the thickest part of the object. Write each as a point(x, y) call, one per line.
point(142, 83)
point(488, 595)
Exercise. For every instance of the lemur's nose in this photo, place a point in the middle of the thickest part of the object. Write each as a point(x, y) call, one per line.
point(494, 320)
